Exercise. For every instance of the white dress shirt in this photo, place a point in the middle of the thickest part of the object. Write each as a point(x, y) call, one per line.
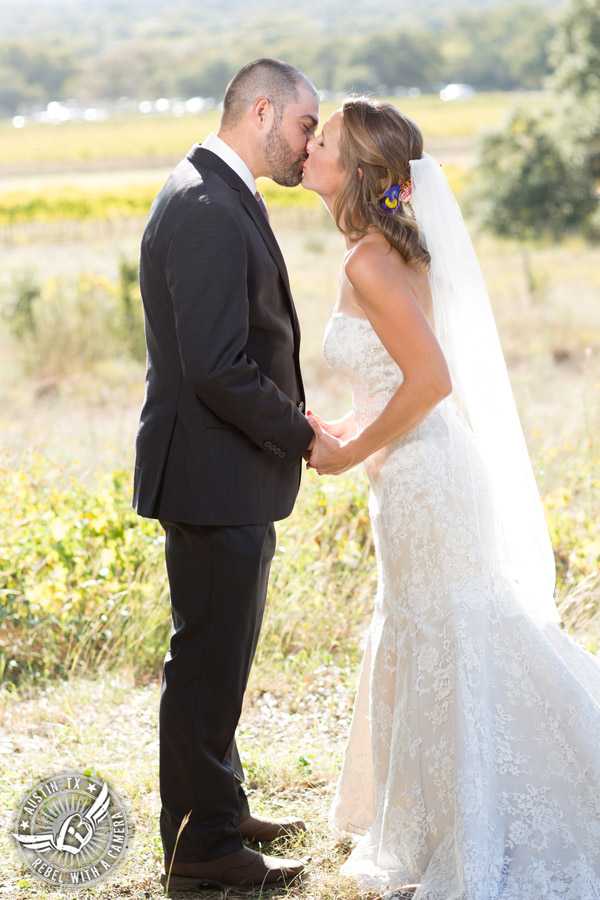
point(231, 158)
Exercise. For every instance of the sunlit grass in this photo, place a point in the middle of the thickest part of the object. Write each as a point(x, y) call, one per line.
point(120, 137)
point(127, 138)
point(132, 201)
point(73, 203)
point(464, 118)
point(83, 586)
point(134, 141)
point(69, 203)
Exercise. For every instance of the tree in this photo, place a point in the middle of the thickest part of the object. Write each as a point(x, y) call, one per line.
point(400, 59)
point(500, 48)
point(539, 176)
point(208, 78)
point(575, 51)
point(576, 81)
point(14, 91)
point(527, 188)
point(42, 72)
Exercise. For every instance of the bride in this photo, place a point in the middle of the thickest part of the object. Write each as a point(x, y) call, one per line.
point(473, 762)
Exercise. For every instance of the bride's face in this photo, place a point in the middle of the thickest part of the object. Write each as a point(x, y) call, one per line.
point(322, 171)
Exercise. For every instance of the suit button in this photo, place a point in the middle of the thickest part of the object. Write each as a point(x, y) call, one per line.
point(301, 406)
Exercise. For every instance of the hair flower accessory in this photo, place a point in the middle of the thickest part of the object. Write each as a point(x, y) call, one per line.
point(398, 193)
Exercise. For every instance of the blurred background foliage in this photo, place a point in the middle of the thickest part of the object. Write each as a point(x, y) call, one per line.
point(106, 50)
point(539, 175)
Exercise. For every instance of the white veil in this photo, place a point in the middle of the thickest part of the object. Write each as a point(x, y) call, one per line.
point(466, 330)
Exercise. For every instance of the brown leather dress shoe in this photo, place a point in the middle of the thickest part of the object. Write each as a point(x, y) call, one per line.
point(263, 830)
point(245, 870)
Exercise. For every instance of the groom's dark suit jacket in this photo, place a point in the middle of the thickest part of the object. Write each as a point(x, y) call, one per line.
point(221, 433)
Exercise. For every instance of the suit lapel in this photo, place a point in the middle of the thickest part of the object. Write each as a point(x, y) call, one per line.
point(204, 158)
point(200, 157)
point(271, 241)
point(266, 231)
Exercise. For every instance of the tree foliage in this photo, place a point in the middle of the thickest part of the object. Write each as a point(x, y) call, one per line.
point(499, 49)
point(33, 72)
point(110, 54)
point(530, 188)
point(576, 82)
point(400, 58)
point(575, 50)
point(539, 176)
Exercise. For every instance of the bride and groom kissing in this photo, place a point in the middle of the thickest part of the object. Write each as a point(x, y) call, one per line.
point(472, 766)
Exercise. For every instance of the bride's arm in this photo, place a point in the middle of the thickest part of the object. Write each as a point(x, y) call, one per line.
point(382, 287)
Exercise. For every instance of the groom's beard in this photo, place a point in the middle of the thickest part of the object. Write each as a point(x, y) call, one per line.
point(285, 165)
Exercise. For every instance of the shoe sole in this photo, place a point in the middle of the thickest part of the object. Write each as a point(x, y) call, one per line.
point(185, 883)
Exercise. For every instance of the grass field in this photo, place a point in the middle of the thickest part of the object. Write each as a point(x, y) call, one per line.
point(83, 601)
point(91, 171)
point(44, 147)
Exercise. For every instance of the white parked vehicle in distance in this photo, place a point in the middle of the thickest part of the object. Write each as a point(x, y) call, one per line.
point(457, 92)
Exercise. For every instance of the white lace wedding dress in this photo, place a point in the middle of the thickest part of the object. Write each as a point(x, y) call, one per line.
point(473, 761)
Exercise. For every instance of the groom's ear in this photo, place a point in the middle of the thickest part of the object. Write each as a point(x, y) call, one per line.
point(360, 174)
point(262, 113)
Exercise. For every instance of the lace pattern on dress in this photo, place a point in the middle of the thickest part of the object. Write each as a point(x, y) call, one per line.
point(473, 760)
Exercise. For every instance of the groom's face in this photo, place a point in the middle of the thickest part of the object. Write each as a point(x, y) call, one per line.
point(284, 146)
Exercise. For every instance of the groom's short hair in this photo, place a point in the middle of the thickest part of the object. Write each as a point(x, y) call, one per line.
point(270, 78)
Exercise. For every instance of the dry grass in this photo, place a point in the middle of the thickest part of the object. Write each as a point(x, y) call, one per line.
point(290, 758)
point(127, 141)
point(546, 305)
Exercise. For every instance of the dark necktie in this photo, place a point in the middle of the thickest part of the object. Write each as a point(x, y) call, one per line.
point(261, 203)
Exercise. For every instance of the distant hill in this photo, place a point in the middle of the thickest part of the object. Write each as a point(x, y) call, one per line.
point(94, 51)
point(122, 19)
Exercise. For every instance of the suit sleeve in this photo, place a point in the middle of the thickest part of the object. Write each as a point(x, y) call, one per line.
point(206, 270)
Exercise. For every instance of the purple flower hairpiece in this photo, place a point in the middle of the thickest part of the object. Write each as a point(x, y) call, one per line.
point(398, 193)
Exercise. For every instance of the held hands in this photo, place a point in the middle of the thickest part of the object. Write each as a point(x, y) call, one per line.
point(332, 451)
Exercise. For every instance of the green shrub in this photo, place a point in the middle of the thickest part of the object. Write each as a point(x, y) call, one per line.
point(526, 186)
point(77, 585)
point(69, 324)
point(83, 585)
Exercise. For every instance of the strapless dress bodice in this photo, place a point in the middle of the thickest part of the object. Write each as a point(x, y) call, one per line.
point(352, 347)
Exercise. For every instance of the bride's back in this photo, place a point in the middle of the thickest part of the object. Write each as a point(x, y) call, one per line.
point(417, 282)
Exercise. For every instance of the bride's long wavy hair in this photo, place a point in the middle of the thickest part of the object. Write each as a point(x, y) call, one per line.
point(381, 141)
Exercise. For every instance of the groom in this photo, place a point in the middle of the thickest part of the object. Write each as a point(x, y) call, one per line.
point(218, 455)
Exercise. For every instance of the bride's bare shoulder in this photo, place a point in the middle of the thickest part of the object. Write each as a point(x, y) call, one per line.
point(372, 261)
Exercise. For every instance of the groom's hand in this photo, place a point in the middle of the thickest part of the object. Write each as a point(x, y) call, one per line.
point(310, 448)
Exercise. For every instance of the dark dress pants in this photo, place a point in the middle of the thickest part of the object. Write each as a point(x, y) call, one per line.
point(218, 581)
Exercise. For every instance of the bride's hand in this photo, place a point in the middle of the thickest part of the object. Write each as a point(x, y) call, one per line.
point(343, 428)
point(330, 455)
